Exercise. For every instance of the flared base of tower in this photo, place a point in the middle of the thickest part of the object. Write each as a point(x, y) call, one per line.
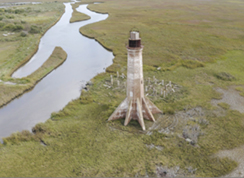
point(136, 110)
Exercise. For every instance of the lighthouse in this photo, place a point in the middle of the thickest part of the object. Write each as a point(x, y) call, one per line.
point(135, 106)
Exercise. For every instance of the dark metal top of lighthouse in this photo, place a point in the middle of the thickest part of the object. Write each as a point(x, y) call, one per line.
point(134, 40)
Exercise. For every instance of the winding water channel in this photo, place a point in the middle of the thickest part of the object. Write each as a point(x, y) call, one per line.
point(86, 58)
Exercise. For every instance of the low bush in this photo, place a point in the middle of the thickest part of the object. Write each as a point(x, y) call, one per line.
point(2, 24)
point(225, 76)
point(9, 27)
point(8, 10)
point(35, 29)
point(9, 16)
point(12, 27)
point(28, 9)
point(23, 34)
point(18, 27)
point(39, 128)
point(19, 11)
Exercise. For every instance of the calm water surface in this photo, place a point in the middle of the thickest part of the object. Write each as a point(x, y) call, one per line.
point(85, 59)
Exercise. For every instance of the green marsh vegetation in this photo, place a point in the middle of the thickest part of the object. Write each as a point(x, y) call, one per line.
point(8, 92)
point(78, 16)
point(55, 60)
point(198, 45)
point(21, 27)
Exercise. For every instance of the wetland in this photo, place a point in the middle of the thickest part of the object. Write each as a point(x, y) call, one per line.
point(62, 85)
point(197, 45)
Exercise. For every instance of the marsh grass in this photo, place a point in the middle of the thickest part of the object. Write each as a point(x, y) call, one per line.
point(9, 92)
point(41, 16)
point(224, 105)
point(16, 50)
point(225, 76)
point(172, 35)
point(81, 142)
point(56, 59)
point(77, 16)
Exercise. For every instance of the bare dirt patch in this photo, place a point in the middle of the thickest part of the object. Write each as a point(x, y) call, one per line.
point(170, 123)
point(236, 154)
point(186, 124)
point(168, 172)
point(232, 98)
point(164, 171)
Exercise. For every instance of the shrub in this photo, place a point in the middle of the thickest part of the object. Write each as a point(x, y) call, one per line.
point(19, 11)
point(39, 128)
point(8, 10)
point(28, 9)
point(225, 76)
point(9, 16)
point(12, 27)
point(1, 18)
point(35, 29)
point(2, 24)
point(9, 27)
point(18, 28)
point(23, 34)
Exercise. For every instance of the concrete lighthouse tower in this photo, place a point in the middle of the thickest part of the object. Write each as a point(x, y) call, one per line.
point(135, 106)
